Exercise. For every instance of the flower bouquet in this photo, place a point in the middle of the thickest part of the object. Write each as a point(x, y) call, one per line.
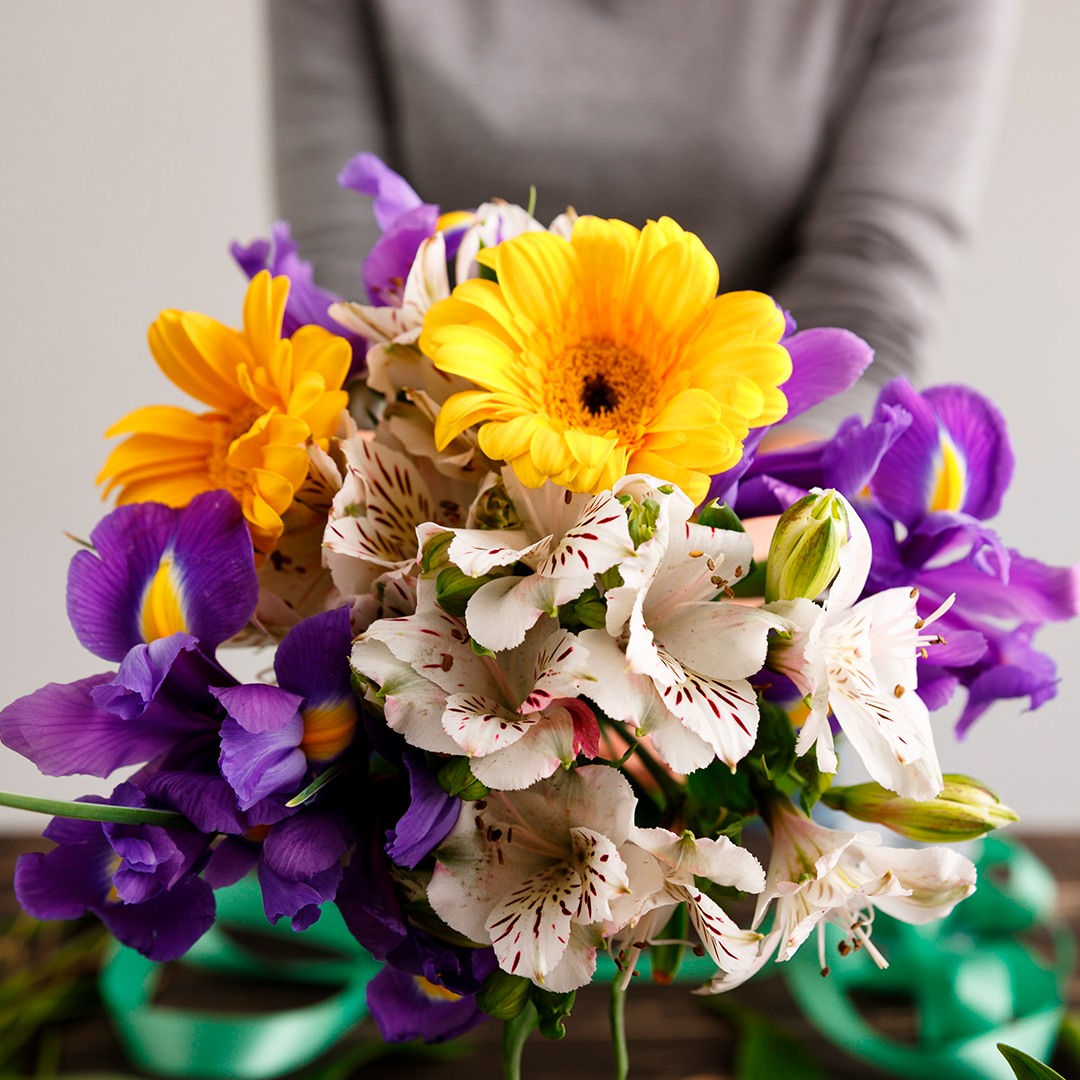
point(553, 624)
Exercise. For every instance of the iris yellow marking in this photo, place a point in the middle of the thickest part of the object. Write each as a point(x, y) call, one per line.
point(327, 731)
point(162, 607)
point(949, 482)
point(434, 991)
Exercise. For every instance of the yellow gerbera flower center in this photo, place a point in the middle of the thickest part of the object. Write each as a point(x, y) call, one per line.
point(599, 386)
point(608, 354)
point(223, 433)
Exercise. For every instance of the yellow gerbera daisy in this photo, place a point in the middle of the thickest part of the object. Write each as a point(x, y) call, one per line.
point(608, 354)
point(269, 395)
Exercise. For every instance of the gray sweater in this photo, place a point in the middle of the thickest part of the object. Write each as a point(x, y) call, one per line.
point(829, 152)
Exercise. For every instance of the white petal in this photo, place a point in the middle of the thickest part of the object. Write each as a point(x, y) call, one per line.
point(503, 611)
point(723, 714)
point(481, 726)
point(938, 879)
point(597, 541)
point(722, 640)
point(545, 747)
point(602, 872)
point(559, 669)
point(718, 860)
point(479, 551)
point(855, 558)
point(530, 926)
point(730, 948)
point(578, 965)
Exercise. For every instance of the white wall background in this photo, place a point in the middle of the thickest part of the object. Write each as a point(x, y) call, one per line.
point(134, 146)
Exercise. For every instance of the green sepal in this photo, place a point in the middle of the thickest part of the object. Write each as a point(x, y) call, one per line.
point(454, 589)
point(434, 557)
point(587, 612)
point(457, 780)
point(480, 650)
point(551, 1011)
point(665, 960)
point(717, 515)
point(813, 783)
point(610, 579)
point(503, 996)
point(494, 509)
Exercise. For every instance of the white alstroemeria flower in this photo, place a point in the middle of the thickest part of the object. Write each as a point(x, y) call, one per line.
point(818, 875)
point(681, 859)
point(373, 518)
point(493, 223)
point(859, 660)
point(426, 284)
point(567, 539)
point(674, 659)
point(514, 713)
point(535, 873)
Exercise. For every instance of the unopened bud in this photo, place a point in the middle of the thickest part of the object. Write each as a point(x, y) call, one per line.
point(965, 810)
point(503, 995)
point(805, 551)
point(434, 556)
point(454, 589)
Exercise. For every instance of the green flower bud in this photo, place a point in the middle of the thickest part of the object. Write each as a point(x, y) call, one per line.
point(456, 779)
point(805, 551)
point(503, 996)
point(551, 1011)
point(494, 509)
point(434, 557)
point(454, 590)
point(965, 810)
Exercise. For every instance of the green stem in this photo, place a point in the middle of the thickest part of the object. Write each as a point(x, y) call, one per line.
point(515, 1032)
point(617, 1017)
point(322, 780)
point(127, 815)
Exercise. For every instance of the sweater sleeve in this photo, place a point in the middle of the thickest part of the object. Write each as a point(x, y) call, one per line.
point(325, 109)
point(900, 182)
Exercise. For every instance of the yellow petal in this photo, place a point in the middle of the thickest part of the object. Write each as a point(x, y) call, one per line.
point(506, 440)
point(163, 420)
point(590, 450)
point(264, 309)
point(548, 449)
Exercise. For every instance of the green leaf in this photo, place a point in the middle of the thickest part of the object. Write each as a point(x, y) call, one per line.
point(456, 779)
point(322, 780)
point(753, 582)
point(1025, 1066)
point(775, 740)
point(127, 815)
point(717, 515)
point(551, 1011)
point(813, 783)
point(588, 611)
point(641, 520)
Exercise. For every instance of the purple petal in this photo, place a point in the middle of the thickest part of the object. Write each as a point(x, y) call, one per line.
point(386, 269)
point(259, 708)
point(430, 817)
point(943, 532)
point(141, 674)
point(234, 858)
point(1035, 592)
point(368, 902)
point(166, 926)
point(259, 764)
point(404, 1011)
point(298, 900)
point(369, 175)
point(852, 458)
point(764, 495)
point(1024, 672)
point(825, 361)
point(213, 573)
point(313, 659)
point(962, 648)
point(62, 732)
point(979, 434)
point(307, 843)
point(67, 881)
point(206, 800)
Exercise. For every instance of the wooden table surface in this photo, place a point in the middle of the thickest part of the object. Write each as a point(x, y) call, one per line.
point(673, 1035)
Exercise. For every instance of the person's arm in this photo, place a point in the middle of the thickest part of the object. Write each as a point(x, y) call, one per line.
point(901, 181)
point(326, 108)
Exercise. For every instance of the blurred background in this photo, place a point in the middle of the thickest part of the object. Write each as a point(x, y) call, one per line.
point(136, 145)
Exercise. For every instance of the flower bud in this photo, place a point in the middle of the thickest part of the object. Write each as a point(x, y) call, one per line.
point(805, 551)
point(504, 995)
point(965, 810)
point(435, 554)
point(454, 589)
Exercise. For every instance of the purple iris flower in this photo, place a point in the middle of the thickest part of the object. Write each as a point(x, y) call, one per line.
point(427, 988)
point(161, 590)
point(405, 219)
point(924, 474)
point(825, 361)
point(308, 304)
point(140, 880)
point(273, 735)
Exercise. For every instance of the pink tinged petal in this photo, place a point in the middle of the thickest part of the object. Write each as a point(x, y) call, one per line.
point(547, 745)
point(816, 732)
point(482, 726)
point(723, 714)
point(603, 874)
point(675, 744)
point(530, 926)
point(730, 948)
point(413, 705)
point(560, 667)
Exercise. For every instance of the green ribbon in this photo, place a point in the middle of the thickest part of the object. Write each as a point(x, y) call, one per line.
point(973, 981)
